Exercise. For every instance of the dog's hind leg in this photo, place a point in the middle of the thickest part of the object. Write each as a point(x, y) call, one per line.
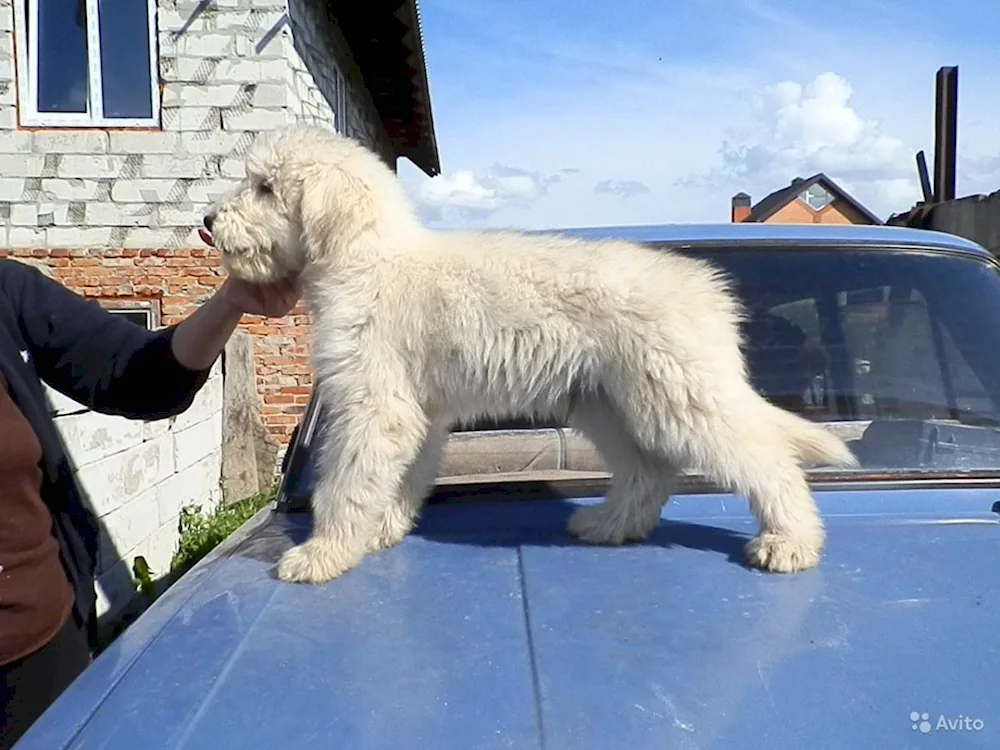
point(373, 436)
point(418, 481)
point(740, 445)
point(641, 483)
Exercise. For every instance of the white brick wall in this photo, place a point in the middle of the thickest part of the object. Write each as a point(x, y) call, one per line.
point(138, 476)
point(237, 68)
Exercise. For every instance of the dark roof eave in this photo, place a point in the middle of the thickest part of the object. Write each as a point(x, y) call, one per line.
point(425, 154)
point(385, 40)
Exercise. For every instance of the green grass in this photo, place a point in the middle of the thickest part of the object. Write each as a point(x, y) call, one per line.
point(201, 532)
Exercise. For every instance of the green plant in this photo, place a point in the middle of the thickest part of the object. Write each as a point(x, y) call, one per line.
point(201, 532)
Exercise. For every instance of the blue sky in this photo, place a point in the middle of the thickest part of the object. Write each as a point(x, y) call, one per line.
point(556, 113)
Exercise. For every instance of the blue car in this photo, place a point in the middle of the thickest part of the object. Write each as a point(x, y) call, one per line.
point(489, 627)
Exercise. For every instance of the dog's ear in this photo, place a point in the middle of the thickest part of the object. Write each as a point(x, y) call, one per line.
point(337, 208)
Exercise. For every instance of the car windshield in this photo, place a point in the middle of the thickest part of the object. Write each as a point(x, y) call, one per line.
point(896, 350)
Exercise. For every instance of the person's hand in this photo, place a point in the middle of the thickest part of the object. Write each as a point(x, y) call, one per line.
point(268, 300)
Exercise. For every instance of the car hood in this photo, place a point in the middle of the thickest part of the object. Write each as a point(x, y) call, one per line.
point(488, 627)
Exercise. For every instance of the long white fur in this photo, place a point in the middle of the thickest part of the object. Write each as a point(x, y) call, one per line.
point(414, 330)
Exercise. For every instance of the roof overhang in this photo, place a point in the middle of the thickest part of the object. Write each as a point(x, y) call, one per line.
point(385, 40)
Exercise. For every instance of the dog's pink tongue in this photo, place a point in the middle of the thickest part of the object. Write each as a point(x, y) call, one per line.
point(205, 237)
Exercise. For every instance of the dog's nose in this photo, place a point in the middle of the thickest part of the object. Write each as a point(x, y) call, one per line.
point(209, 218)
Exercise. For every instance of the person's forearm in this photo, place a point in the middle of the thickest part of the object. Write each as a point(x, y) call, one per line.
point(201, 338)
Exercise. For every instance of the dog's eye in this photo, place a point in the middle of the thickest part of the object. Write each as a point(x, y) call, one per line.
point(264, 187)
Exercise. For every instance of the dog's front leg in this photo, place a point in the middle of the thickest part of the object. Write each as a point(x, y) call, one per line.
point(417, 483)
point(365, 451)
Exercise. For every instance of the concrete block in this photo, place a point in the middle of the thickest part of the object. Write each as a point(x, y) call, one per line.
point(198, 441)
point(8, 117)
point(256, 119)
point(203, 95)
point(270, 95)
point(132, 523)
point(98, 238)
point(24, 215)
point(197, 484)
point(90, 436)
point(240, 19)
point(180, 69)
point(58, 189)
point(243, 70)
point(144, 143)
point(149, 237)
point(214, 143)
point(143, 191)
point(76, 142)
point(21, 165)
point(234, 168)
point(173, 20)
point(118, 215)
point(6, 18)
point(113, 481)
point(166, 166)
point(78, 165)
point(209, 192)
point(206, 404)
point(191, 118)
point(197, 44)
point(181, 215)
point(19, 237)
point(15, 142)
point(11, 189)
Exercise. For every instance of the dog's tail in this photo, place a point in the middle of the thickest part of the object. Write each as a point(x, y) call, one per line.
point(812, 443)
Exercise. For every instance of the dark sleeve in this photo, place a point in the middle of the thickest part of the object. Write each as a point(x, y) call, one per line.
point(95, 357)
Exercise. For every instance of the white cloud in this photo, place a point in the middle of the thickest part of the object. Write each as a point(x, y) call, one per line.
point(464, 195)
point(621, 188)
point(796, 130)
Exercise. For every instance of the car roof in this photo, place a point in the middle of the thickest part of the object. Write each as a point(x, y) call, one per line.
point(753, 233)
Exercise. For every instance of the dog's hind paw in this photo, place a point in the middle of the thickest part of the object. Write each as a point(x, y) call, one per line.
point(779, 553)
point(315, 561)
point(604, 524)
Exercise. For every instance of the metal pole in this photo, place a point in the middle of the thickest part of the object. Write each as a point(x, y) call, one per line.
point(925, 178)
point(945, 133)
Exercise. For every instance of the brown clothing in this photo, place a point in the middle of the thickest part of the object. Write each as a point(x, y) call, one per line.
point(35, 593)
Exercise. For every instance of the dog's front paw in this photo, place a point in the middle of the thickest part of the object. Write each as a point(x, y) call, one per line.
point(385, 540)
point(603, 524)
point(779, 553)
point(316, 561)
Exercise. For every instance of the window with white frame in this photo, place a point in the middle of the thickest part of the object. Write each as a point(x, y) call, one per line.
point(87, 62)
point(141, 312)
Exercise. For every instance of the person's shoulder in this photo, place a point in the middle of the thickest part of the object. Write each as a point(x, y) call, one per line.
point(10, 268)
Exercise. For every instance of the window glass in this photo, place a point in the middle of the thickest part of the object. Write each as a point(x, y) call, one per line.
point(894, 346)
point(125, 82)
point(62, 56)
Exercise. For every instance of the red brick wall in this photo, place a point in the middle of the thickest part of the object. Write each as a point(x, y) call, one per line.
point(175, 282)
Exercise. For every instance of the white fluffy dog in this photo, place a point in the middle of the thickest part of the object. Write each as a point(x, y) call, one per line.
point(414, 330)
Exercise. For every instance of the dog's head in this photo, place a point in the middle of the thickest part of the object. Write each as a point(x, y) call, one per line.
point(308, 194)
